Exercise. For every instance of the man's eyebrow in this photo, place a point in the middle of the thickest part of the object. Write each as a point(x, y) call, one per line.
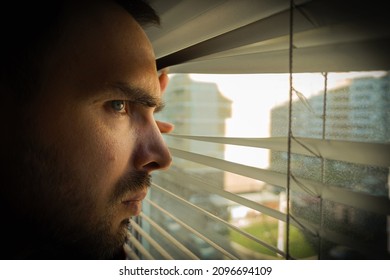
point(140, 96)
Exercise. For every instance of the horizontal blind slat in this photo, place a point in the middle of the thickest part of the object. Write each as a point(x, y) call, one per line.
point(272, 177)
point(333, 236)
point(205, 186)
point(195, 207)
point(377, 154)
point(151, 241)
point(169, 237)
point(358, 200)
point(130, 253)
point(313, 229)
point(138, 245)
point(192, 230)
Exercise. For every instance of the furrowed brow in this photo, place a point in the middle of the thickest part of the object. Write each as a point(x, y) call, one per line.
point(140, 96)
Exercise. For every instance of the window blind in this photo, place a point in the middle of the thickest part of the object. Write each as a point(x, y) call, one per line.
point(325, 194)
point(252, 36)
point(334, 194)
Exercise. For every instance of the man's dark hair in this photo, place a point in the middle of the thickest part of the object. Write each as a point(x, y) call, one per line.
point(141, 11)
point(29, 28)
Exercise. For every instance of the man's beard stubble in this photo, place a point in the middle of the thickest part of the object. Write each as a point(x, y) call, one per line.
point(59, 212)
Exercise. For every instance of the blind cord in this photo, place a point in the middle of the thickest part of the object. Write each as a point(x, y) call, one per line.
point(291, 46)
point(325, 74)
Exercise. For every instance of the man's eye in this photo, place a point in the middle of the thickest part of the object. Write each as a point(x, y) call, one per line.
point(118, 105)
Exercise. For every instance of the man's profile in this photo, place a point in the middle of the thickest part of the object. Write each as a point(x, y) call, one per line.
point(79, 90)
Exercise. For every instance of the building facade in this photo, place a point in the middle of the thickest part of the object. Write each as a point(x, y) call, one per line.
point(357, 111)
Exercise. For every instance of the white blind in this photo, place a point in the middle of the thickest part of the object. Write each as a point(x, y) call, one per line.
point(252, 36)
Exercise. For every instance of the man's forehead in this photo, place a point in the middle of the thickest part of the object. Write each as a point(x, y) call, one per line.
point(114, 53)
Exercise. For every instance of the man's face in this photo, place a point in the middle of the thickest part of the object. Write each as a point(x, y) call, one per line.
point(93, 140)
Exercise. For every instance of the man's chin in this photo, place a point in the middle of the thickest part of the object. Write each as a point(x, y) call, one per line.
point(112, 247)
point(102, 243)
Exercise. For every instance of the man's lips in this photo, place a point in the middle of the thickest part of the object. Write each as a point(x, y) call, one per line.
point(139, 196)
point(133, 202)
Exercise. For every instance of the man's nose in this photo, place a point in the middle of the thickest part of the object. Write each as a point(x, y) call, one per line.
point(152, 152)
